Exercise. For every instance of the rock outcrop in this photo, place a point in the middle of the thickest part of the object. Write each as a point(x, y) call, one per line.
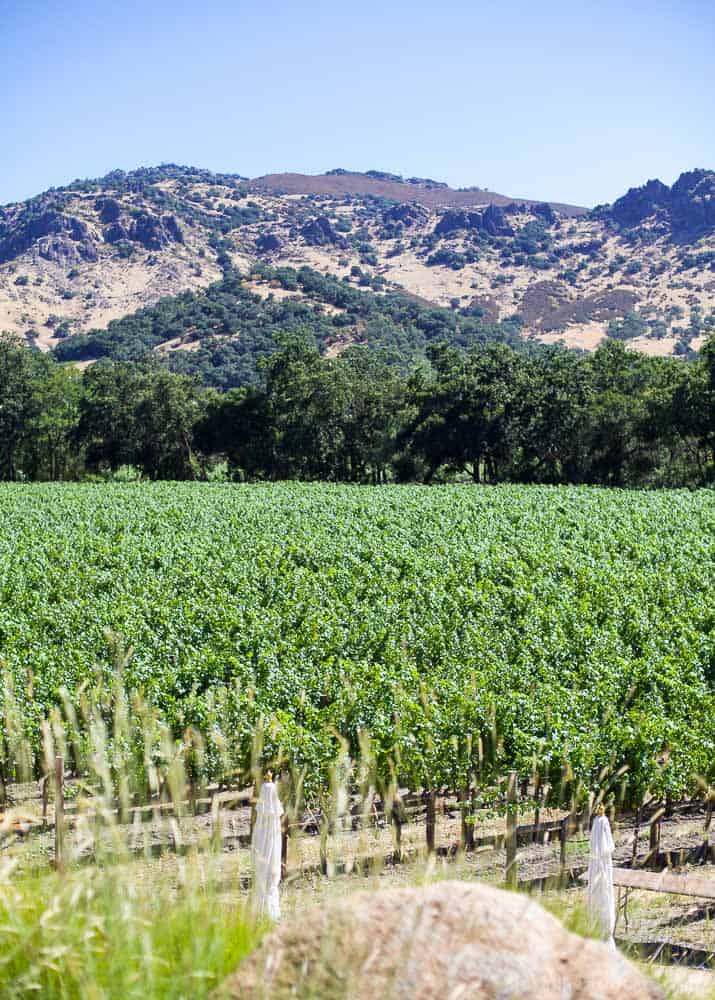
point(453, 221)
point(492, 220)
point(407, 214)
point(545, 211)
point(638, 203)
point(268, 243)
point(109, 209)
point(66, 239)
point(451, 939)
point(689, 205)
point(64, 230)
point(116, 233)
point(66, 251)
point(693, 202)
point(155, 233)
point(319, 232)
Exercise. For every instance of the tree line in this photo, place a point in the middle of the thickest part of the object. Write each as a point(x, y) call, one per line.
point(491, 414)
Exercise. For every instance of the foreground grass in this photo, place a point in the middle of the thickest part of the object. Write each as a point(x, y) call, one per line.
point(122, 931)
point(102, 934)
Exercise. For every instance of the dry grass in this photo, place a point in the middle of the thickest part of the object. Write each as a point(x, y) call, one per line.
point(111, 288)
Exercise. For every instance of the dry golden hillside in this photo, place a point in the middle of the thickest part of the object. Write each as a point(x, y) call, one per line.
point(73, 259)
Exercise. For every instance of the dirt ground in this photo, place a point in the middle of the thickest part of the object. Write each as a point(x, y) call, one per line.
point(363, 858)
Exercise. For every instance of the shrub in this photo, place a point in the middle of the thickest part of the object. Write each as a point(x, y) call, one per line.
point(630, 326)
point(126, 474)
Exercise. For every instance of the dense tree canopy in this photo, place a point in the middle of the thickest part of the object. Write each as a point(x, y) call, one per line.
point(230, 329)
point(488, 414)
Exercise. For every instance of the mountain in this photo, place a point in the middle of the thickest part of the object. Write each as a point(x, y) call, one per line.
point(379, 184)
point(77, 263)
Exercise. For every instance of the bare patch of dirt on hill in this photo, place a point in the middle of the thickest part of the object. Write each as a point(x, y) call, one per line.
point(182, 344)
point(662, 348)
point(271, 290)
point(242, 261)
point(587, 336)
point(337, 346)
point(435, 284)
point(101, 292)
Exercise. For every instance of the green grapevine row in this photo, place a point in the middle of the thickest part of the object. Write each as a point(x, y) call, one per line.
point(575, 623)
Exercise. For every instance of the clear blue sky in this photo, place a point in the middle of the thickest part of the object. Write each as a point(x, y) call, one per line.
point(573, 101)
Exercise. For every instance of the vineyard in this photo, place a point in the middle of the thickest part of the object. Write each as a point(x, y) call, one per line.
point(448, 633)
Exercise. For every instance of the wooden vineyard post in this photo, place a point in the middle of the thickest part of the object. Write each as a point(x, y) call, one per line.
point(431, 821)
point(567, 825)
point(216, 826)
point(397, 821)
point(284, 845)
point(325, 828)
point(654, 844)
point(44, 786)
point(636, 833)
point(539, 795)
point(59, 812)
point(467, 820)
point(708, 821)
point(510, 873)
point(469, 844)
point(324, 846)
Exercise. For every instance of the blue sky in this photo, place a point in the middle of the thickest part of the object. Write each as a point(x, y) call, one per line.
point(571, 101)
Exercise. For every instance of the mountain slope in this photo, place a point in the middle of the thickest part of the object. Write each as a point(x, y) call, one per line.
point(378, 184)
point(643, 270)
point(220, 334)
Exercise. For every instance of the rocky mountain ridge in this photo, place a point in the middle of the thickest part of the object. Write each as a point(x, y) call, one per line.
point(683, 211)
point(643, 269)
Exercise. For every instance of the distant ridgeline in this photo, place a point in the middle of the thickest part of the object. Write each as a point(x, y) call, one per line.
point(205, 269)
point(226, 328)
